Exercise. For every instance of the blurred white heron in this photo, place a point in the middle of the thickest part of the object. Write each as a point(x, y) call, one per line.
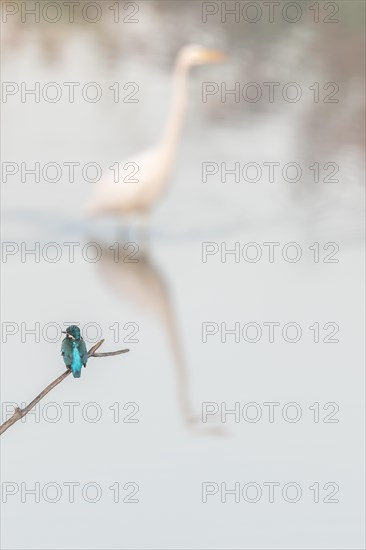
point(154, 164)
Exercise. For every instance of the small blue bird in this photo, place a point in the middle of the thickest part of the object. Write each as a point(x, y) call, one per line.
point(74, 351)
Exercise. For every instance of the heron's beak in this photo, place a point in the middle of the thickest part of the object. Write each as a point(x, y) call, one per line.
point(213, 56)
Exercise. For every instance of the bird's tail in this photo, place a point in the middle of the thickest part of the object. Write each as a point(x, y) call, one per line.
point(76, 373)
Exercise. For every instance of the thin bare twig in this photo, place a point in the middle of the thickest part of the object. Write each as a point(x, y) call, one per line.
point(110, 353)
point(19, 413)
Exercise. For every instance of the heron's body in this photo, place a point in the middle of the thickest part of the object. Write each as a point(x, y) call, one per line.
point(127, 198)
point(154, 165)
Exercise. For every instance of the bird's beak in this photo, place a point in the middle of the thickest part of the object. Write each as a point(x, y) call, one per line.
point(69, 335)
point(213, 56)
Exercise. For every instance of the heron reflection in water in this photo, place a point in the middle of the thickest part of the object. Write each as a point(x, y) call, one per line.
point(143, 284)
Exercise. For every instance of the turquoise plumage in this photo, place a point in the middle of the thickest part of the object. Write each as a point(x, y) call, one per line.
point(74, 351)
point(76, 361)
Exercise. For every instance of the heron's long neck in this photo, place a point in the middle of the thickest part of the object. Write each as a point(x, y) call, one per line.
point(178, 108)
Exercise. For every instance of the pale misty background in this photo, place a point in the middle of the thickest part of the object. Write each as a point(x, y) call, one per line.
point(170, 372)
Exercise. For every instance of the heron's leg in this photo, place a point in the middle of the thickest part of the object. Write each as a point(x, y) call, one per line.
point(129, 232)
point(143, 231)
point(124, 232)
